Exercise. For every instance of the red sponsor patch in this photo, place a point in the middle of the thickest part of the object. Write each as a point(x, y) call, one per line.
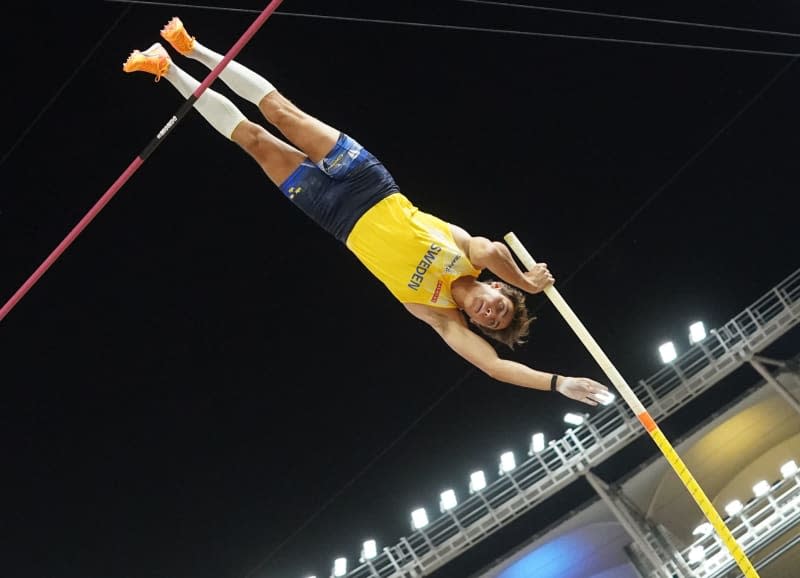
point(435, 296)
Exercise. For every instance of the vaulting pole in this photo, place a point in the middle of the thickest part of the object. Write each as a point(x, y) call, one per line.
point(639, 410)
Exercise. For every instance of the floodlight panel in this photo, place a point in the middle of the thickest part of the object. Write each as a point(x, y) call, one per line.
point(697, 332)
point(507, 462)
point(340, 567)
point(419, 518)
point(761, 488)
point(447, 500)
point(667, 351)
point(537, 442)
point(697, 554)
point(606, 397)
point(703, 529)
point(734, 507)
point(573, 419)
point(369, 550)
point(789, 469)
point(477, 481)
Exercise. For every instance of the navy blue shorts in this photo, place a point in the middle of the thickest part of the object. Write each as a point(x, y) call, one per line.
point(338, 190)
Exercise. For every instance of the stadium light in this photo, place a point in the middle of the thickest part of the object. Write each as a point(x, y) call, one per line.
point(447, 501)
point(697, 554)
point(667, 351)
point(419, 518)
point(789, 469)
point(734, 507)
point(703, 529)
point(369, 550)
point(697, 332)
point(537, 443)
point(507, 463)
point(340, 567)
point(761, 488)
point(573, 419)
point(607, 398)
point(477, 481)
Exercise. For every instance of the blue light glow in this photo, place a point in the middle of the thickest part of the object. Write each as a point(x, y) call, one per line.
point(591, 551)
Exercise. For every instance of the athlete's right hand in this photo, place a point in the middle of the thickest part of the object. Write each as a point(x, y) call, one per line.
point(538, 278)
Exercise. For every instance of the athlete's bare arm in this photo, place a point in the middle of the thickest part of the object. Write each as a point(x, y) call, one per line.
point(450, 325)
point(484, 253)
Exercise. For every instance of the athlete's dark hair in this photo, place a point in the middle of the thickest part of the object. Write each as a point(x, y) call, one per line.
point(516, 331)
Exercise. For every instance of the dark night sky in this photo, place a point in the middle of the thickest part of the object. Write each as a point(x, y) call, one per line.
point(205, 380)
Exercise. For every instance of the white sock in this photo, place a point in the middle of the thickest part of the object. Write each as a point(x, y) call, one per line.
point(217, 109)
point(243, 81)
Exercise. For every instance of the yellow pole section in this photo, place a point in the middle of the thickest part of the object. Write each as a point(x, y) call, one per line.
point(644, 416)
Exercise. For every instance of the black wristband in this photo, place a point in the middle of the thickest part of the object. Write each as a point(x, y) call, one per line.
point(553, 382)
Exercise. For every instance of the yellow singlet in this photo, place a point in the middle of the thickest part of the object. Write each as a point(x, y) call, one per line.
point(413, 253)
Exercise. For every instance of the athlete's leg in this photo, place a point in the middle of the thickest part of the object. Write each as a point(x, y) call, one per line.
point(277, 158)
point(312, 136)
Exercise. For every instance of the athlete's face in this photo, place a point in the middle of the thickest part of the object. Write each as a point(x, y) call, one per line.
point(489, 308)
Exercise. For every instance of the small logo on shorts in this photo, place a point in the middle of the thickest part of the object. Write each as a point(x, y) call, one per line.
point(294, 191)
point(328, 165)
point(353, 153)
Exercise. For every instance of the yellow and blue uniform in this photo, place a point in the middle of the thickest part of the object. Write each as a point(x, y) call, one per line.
point(352, 196)
point(413, 253)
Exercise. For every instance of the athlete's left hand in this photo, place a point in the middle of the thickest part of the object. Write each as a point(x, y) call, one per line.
point(582, 389)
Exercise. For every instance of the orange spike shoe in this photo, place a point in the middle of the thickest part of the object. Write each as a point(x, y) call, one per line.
point(175, 33)
point(154, 60)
